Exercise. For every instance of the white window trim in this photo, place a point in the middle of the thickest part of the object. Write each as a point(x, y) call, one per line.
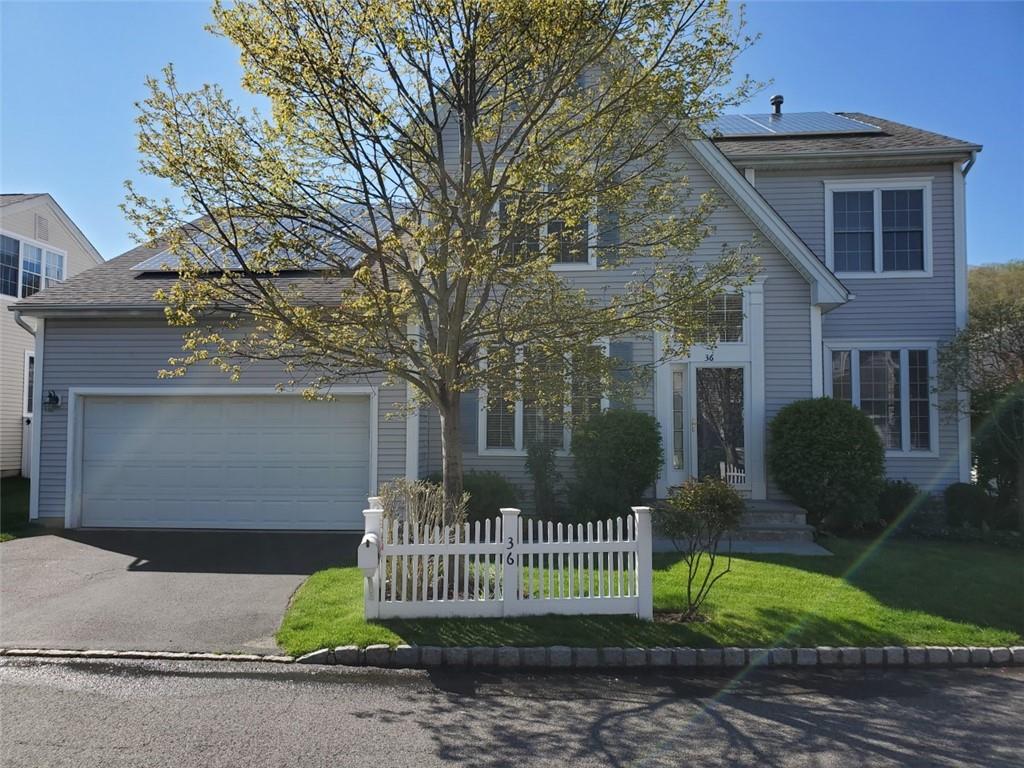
point(591, 263)
point(519, 447)
point(748, 354)
point(30, 355)
point(877, 186)
point(22, 240)
point(903, 347)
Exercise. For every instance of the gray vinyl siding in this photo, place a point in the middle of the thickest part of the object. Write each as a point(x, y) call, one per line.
point(909, 308)
point(787, 334)
point(128, 353)
point(900, 310)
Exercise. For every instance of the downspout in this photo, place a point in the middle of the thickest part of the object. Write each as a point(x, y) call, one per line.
point(20, 321)
point(970, 164)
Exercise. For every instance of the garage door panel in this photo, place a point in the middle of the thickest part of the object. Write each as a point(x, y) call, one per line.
point(224, 462)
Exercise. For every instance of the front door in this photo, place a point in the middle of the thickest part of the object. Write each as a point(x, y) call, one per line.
point(710, 414)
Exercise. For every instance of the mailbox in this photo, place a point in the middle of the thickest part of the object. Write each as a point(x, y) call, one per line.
point(369, 554)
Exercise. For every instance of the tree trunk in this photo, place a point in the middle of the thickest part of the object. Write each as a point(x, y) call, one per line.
point(451, 453)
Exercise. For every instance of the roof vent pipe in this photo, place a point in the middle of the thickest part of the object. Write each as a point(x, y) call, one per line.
point(777, 104)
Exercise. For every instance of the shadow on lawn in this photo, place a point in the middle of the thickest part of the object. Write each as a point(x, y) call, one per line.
point(965, 582)
point(765, 718)
point(770, 627)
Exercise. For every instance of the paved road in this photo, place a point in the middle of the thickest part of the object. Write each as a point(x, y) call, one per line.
point(111, 714)
point(157, 590)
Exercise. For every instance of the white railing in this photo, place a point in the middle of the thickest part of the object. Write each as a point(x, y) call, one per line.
point(506, 567)
point(731, 474)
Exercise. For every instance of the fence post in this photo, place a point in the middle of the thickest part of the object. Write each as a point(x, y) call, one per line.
point(644, 564)
point(510, 540)
point(372, 524)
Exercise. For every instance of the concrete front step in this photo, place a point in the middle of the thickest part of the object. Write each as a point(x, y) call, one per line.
point(753, 519)
point(780, 532)
point(774, 520)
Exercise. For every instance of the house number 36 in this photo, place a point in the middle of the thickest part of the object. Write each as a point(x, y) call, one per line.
point(509, 559)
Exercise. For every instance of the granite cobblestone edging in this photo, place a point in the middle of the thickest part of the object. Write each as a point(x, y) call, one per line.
point(561, 657)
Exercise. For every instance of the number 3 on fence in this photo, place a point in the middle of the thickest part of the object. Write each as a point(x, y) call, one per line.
point(510, 528)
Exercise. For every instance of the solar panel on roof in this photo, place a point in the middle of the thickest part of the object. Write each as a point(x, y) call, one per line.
point(787, 124)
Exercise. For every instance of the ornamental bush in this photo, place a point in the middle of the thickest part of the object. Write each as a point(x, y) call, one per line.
point(897, 497)
point(827, 456)
point(617, 457)
point(488, 493)
point(968, 504)
point(695, 517)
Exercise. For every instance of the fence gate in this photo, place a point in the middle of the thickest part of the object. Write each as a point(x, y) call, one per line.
point(506, 566)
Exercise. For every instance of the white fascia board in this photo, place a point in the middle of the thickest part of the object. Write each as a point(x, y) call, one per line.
point(826, 288)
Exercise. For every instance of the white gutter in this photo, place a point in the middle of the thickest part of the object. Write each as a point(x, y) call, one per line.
point(20, 321)
point(970, 164)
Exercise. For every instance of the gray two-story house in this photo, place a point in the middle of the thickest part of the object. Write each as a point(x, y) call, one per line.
point(859, 226)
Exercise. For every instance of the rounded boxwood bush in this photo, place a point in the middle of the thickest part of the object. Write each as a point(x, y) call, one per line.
point(827, 456)
point(617, 457)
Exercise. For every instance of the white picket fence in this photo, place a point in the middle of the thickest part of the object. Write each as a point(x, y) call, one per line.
point(507, 567)
point(731, 474)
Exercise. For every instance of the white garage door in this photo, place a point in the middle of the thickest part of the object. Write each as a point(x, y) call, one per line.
point(224, 462)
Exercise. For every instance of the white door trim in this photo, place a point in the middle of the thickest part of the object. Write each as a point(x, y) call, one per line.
point(73, 469)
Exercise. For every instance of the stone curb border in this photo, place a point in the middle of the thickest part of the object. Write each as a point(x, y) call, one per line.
point(54, 653)
point(564, 657)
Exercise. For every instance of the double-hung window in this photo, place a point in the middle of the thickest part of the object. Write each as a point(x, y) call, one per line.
point(878, 228)
point(893, 386)
point(511, 427)
point(570, 244)
point(26, 267)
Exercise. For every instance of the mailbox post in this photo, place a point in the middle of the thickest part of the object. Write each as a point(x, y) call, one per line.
point(368, 557)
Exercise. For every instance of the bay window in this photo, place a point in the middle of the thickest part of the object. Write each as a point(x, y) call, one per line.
point(893, 386)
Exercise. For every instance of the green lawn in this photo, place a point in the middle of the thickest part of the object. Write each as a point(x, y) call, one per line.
point(13, 507)
point(898, 592)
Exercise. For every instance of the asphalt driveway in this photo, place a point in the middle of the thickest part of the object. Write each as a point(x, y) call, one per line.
point(157, 590)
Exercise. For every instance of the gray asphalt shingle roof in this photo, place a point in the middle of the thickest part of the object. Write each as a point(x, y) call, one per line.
point(894, 137)
point(114, 285)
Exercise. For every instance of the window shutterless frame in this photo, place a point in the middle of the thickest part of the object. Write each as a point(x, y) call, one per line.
point(45, 248)
point(519, 447)
point(876, 187)
point(903, 348)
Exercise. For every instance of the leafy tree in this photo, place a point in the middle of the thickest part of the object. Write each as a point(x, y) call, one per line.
point(986, 359)
point(432, 158)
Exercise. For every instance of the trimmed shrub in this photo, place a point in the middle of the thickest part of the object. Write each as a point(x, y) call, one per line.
point(695, 517)
point(488, 492)
point(967, 504)
point(896, 498)
point(827, 456)
point(618, 454)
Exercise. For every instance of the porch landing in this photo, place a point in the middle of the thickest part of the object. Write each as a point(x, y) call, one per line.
point(768, 527)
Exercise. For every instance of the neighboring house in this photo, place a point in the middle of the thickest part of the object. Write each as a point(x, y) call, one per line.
point(859, 225)
point(39, 247)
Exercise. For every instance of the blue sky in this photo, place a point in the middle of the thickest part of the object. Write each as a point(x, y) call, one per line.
point(71, 72)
